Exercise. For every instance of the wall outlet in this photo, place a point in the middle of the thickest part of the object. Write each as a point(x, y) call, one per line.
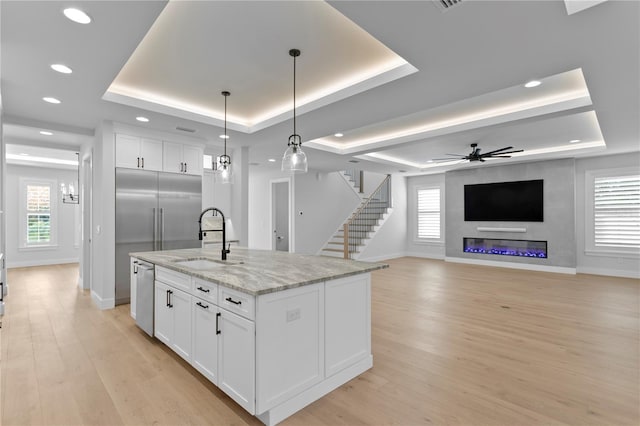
point(293, 315)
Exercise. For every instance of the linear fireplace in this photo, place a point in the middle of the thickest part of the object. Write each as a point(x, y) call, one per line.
point(505, 247)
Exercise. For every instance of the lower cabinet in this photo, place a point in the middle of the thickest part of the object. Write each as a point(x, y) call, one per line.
point(236, 359)
point(172, 316)
point(205, 338)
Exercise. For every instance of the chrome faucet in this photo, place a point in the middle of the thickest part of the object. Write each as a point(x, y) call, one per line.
point(203, 232)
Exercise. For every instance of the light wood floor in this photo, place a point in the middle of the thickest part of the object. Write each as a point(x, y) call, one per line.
point(452, 344)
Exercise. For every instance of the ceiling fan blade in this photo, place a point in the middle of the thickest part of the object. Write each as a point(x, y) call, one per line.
point(497, 150)
point(497, 156)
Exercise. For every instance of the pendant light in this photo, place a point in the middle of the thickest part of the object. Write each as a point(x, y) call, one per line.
point(294, 160)
point(224, 161)
point(70, 195)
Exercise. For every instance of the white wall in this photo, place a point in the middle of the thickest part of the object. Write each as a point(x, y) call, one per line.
point(259, 202)
point(391, 239)
point(593, 264)
point(435, 250)
point(325, 201)
point(67, 222)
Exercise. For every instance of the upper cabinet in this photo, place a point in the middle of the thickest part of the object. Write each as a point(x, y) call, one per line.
point(179, 158)
point(138, 153)
point(134, 152)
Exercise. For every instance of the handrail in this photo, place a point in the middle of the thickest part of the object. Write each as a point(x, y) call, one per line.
point(355, 219)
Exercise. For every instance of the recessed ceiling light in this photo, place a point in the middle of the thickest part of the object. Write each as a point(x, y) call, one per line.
point(44, 132)
point(76, 15)
point(224, 136)
point(143, 119)
point(574, 141)
point(51, 100)
point(532, 83)
point(61, 68)
point(272, 160)
point(338, 135)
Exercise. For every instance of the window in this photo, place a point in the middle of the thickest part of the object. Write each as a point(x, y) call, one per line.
point(616, 202)
point(428, 203)
point(613, 213)
point(207, 162)
point(37, 213)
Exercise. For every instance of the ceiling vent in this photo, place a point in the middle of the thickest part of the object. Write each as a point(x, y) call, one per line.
point(445, 5)
point(185, 129)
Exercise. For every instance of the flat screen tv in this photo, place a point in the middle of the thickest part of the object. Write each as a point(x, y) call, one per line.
point(520, 201)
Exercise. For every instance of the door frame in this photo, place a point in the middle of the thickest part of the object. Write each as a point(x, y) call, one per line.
point(272, 216)
point(87, 218)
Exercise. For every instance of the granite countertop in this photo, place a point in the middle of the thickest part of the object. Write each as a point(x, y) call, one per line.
point(259, 271)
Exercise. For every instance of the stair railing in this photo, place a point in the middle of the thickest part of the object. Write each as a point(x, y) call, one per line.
point(357, 177)
point(358, 225)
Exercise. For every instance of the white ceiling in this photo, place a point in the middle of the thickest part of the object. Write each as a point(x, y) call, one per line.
point(467, 56)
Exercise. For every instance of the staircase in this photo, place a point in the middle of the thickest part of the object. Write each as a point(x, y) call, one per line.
point(353, 236)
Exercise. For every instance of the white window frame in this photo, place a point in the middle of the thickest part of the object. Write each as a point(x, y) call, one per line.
point(416, 238)
point(589, 232)
point(53, 218)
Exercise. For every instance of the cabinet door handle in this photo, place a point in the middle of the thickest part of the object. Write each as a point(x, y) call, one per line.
point(143, 162)
point(202, 306)
point(169, 293)
point(239, 302)
point(167, 297)
point(181, 167)
point(138, 162)
point(205, 290)
point(185, 167)
point(218, 315)
point(135, 267)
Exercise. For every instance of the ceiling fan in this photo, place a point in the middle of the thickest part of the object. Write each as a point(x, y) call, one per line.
point(475, 154)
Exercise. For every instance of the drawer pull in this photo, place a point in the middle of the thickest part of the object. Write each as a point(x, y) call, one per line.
point(205, 290)
point(202, 306)
point(239, 302)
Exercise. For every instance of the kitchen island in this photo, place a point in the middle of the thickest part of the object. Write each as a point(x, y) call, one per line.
point(274, 330)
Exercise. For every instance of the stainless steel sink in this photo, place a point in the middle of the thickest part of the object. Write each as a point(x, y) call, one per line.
point(204, 263)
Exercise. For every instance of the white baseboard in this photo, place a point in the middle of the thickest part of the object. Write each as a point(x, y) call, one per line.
point(608, 272)
point(39, 262)
point(101, 303)
point(512, 265)
point(423, 255)
point(381, 258)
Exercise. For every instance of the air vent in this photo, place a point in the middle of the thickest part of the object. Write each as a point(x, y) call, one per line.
point(445, 5)
point(353, 161)
point(185, 129)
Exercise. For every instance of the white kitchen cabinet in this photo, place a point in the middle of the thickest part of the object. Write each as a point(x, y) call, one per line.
point(179, 158)
point(205, 338)
point(172, 317)
point(162, 314)
point(133, 152)
point(236, 359)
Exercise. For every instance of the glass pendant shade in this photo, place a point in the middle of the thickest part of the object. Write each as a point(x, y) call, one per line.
point(225, 174)
point(294, 159)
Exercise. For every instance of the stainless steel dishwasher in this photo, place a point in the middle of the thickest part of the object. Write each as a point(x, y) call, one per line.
point(144, 296)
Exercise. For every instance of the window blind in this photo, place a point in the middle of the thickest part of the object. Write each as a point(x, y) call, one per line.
point(429, 213)
point(38, 214)
point(617, 211)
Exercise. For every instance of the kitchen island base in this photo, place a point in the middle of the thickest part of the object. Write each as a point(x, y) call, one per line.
point(295, 404)
point(274, 351)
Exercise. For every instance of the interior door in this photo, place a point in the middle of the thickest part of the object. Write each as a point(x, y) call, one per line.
point(280, 203)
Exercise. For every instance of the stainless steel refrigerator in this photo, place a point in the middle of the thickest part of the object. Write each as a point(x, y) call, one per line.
point(154, 211)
